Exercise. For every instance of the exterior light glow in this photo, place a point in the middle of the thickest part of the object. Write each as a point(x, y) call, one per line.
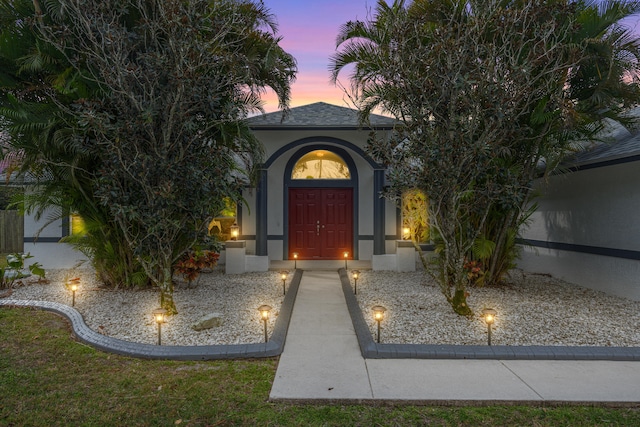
point(235, 231)
point(378, 315)
point(406, 233)
point(73, 285)
point(264, 316)
point(489, 315)
point(356, 274)
point(159, 316)
point(283, 276)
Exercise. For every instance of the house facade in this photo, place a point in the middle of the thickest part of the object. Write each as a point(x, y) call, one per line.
point(318, 196)
point(318, 193)
point(586, 229)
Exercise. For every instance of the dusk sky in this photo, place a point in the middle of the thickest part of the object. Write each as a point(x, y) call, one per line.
point(309, 29)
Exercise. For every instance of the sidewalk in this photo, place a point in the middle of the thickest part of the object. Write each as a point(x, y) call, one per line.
point(322, 363)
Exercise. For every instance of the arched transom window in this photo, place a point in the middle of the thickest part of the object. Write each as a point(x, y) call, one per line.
point(321, 164)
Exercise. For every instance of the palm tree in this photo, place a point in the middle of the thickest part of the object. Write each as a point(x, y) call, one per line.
point(228, 54)
point(485, 90)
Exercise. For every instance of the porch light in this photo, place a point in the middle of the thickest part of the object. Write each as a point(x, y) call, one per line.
point(295, 260)
point(159, 315)
point(235, 231)
point(378, 315)
point(489, 315)
point(283, 276)
point(346, 257)
point(355, 273)
point(264, 316)
point(406, 233)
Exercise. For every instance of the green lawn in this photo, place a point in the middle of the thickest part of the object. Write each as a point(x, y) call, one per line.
point(47, 379)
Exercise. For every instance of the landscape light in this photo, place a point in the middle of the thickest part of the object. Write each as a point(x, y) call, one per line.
point(283, 276)
point(159, 315)
point(264, 315)
point(355, 273)
point(346, 256)
point(378, 315)
point(489, 315)
point(295, 260)
point(73, 285)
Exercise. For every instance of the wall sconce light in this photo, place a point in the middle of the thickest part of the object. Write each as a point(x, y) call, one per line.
point(489, 315)
point(235, 231)
point(346, 257)
point(73, 285)
point(378, 315)
point(159, 315)
point(283, 276)
point(406, 233)
point(264, 316)
point(295, 260)
point(356, 274)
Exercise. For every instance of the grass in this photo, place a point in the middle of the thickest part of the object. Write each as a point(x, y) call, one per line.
point(47, 379)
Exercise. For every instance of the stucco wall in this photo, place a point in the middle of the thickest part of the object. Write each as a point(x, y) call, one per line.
point(277, 158)
point(589, 221)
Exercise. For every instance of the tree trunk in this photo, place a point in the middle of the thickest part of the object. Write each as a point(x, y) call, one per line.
point(166, 293)
point(459, 303)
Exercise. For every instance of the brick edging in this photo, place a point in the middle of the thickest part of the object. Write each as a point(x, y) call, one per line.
point(372, 350)
point(174, 352)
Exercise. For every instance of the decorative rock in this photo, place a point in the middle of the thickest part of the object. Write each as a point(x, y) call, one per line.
point(211, 320)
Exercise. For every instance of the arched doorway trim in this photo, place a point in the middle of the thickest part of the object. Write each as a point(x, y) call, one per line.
point(351, 184)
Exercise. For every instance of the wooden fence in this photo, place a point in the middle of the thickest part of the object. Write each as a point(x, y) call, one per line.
point(11, 232)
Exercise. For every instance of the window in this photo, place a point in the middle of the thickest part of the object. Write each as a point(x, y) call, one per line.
point(77, 225)
point(321, 164)
point(415, 215)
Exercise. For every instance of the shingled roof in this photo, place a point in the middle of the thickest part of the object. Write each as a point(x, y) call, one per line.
point(622, 145)
point(319, 115)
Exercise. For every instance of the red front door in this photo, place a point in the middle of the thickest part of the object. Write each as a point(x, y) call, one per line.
point(320, 222)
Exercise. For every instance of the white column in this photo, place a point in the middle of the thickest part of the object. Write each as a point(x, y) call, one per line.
point(236, 255)
point(406, 255)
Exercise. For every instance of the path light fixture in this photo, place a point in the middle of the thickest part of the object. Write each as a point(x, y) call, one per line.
point(283, 276)
point(346, 257)
point(264, 315)
point(489, 315)
point(356, 274)
point(406, 233)
point(235, 231)
point(295, 260)
point(378, 315)
point(159, 315)
point(73, 285)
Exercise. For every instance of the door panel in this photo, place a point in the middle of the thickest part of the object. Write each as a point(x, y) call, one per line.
point(320, 222)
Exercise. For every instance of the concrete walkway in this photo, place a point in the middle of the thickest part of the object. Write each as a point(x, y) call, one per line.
point(322, 362)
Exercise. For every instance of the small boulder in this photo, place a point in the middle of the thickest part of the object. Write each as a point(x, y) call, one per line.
point(209, 321)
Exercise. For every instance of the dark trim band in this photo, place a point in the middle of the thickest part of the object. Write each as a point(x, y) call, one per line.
point(42, 239)
point(585, 249)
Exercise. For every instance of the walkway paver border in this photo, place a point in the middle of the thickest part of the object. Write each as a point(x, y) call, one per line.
point(173, 352)
point(372, 350)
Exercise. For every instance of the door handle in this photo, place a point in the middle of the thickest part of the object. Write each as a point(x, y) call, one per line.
point(318, 228)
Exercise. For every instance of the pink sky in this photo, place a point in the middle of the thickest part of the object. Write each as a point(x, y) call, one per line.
point(309, 29)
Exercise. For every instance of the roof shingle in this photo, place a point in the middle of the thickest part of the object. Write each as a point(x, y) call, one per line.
point(319, 115)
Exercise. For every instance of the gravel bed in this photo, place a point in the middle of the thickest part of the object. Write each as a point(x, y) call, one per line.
point(531, 310)
point(126, 314)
